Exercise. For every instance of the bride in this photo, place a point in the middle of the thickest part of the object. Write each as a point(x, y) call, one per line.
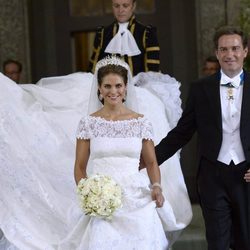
point(39, 208)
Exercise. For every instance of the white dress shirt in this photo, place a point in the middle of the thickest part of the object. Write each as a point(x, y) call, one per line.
point(231, 147)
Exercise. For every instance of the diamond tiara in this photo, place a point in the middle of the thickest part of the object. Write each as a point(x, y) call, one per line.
point(111, 60)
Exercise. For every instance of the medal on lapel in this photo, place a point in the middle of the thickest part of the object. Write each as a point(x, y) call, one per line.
point(230, 94)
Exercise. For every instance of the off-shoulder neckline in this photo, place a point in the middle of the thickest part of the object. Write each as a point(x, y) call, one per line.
point(116, 121)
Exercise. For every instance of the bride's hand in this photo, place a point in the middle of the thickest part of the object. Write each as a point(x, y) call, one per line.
point(157, 195)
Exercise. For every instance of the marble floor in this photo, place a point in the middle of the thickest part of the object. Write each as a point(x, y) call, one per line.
point(193, 237)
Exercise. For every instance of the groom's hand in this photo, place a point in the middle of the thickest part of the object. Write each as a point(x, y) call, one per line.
point(247, 176)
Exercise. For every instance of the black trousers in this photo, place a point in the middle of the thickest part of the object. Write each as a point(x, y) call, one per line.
point(224, 197)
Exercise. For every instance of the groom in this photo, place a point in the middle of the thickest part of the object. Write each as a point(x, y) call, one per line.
point(218, 108)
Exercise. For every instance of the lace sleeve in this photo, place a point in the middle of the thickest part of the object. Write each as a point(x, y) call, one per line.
point(147, 130)
point(83, 130)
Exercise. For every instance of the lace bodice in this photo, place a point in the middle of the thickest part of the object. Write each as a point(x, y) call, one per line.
point(114, 145)
point(114, 138)
point(90, 127)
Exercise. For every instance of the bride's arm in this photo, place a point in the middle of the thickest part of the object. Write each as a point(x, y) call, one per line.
point(81, 160)
point(153, 170)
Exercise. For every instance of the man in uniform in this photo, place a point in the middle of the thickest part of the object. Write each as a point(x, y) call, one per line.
point(136, 43)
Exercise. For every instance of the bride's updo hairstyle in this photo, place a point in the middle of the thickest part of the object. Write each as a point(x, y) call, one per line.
point(111, 69)
point(114, 65)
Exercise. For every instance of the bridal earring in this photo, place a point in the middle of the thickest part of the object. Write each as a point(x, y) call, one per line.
point(124, 98)
point(100, 97)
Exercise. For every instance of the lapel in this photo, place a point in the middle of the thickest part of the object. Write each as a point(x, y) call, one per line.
point(115, 28)
point(212, 91)
point(245, 107)
point(131, 25)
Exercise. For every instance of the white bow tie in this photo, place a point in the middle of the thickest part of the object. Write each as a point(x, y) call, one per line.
point(123, 42)
point(235, 81)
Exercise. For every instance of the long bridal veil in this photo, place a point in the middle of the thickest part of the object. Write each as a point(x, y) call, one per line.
point(38, 122)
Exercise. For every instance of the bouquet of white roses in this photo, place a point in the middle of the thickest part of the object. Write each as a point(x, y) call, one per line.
point(99, 195)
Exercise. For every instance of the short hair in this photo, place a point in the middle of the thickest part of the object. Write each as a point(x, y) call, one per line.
point(9, 61)
point(230, 30)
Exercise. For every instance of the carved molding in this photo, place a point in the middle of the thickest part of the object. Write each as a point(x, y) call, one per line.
point(210, 15)
point(14, 34)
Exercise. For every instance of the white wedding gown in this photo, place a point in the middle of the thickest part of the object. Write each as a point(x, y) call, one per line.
point(38, 204)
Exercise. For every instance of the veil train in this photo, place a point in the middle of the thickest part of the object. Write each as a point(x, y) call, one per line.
point(38, 126)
